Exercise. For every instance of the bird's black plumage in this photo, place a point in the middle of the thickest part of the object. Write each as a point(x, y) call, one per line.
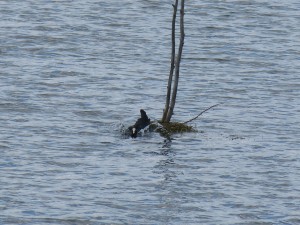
point(140, 124)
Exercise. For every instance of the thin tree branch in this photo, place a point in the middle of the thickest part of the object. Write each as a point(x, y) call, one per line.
point(172, 63)
point(201, 113)
point(177, 66)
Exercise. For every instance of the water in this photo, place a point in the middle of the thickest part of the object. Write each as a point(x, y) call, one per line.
point(74, 72)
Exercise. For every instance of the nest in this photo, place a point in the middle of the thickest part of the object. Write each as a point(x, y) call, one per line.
point(167, 129)
point(177, 127)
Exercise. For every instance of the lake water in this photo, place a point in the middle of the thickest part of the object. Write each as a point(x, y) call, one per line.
point(74, 73)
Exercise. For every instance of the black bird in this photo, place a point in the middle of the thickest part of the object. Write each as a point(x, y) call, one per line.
point(141, 123)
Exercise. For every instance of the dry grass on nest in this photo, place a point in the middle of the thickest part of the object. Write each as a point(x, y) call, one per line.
point(171, 127)
point(176, 127)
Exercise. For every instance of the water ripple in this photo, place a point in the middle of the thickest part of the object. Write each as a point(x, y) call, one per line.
point(74, 76)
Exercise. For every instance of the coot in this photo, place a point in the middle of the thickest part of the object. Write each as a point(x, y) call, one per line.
point(141, 123)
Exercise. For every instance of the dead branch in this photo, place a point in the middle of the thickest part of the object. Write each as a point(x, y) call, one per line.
point(172, 63)
point(177, 64)
point(201, 113)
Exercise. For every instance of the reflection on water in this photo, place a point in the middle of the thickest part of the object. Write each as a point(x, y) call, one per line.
point(74, 76)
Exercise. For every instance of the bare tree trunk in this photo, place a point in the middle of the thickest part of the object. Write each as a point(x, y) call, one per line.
point(177, 66)
point(166, 110)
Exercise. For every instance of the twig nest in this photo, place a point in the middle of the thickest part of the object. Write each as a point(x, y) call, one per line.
point(177, 127)
point(166, 129)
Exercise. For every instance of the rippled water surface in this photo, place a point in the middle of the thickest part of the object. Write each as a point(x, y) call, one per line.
point(74, 73)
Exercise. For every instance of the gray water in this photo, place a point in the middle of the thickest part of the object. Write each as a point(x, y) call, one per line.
point(75, 73)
